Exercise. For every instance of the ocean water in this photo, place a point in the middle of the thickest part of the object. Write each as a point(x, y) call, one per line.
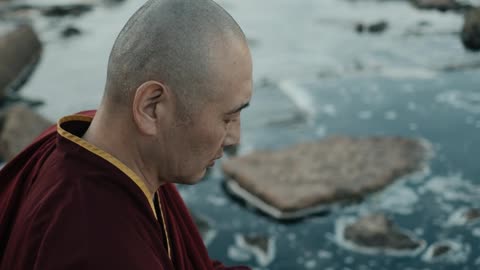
point(316, 77)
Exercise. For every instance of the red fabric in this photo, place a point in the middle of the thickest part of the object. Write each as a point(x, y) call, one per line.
point(62, 207)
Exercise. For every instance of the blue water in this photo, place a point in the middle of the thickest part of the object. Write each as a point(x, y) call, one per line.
point(323, 79)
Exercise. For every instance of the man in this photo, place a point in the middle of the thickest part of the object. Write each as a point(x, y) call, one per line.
point(98, 193)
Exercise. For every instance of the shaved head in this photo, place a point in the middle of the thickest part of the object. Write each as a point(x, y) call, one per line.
point(175, 42)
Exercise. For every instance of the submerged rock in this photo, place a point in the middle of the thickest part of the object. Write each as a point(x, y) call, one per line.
point(376, 28)
point(20, 126)
point(66, 10)
point(70, 31)
point(447, 251)
point(464, 216)
point(471, 30)
point(441, 5)
point(377, 231)
point(205, 228)
point(260, 246)
point(20, 50)
point(305, 178)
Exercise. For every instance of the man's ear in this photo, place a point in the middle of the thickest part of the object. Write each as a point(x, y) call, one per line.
point(149, 104)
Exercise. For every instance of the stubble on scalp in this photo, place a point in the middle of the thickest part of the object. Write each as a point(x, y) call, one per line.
point(174, 42)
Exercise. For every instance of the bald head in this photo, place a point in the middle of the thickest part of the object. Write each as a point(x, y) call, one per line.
point(176, 42)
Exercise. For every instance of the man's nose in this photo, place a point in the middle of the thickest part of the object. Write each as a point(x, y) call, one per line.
point(233, 134)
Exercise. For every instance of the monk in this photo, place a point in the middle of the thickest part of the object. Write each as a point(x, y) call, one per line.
point(97, 190)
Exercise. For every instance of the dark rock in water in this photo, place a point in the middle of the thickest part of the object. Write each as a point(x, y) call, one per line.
point(70, 31)
point(446, 251)
point(378, 27)
point(261, 242)
point(375, 28)
point(20, 126)
point(261, 246)
point(204, 227)
point(440, 250)
point(309, 176)
point(471, 30)
point(66, 10)
point(20, 50)
point(376, 231)
point(441, 5)
point(472, 214)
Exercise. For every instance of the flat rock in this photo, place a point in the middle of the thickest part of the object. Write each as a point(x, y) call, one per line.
point(471, 30)
point(20, 50)
point(378, 232)
point(307, 177)
point(20, 126)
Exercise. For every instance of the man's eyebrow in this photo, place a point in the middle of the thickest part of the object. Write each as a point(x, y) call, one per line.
point(239, 108)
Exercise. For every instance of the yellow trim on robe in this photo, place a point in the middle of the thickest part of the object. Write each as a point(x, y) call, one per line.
point(114, 161)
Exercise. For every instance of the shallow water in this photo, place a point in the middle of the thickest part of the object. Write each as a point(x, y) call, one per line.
point(315, 77)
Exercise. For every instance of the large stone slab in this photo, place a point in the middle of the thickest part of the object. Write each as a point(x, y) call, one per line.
point(20, 126)
point(20, 50)
point(307, 177)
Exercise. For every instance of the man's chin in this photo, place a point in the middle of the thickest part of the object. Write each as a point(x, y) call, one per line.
point(192, 180)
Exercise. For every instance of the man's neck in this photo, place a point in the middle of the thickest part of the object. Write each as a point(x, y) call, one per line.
point(119, 146)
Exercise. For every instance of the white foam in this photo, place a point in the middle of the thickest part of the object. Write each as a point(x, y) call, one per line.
point(390, 115)
point(238, 254)
point(476, 232)
point(300, 98)
point(216, 200)
point(310, 264)
point(324, 254)
point(468, 101)
point(364, 115)
point(452, 188)
point(408, 72)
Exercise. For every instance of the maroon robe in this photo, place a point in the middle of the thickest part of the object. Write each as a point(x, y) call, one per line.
point(65, 204)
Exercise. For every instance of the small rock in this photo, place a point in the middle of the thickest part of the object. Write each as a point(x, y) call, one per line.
point(447, 251)
point(66, 10)
point(377, 231)
point(261, 246)
point(70, 31)
point(374, 28)
point(441, 5)
point(472, 215)
point(205, 228)
point(471, 30)
point(20, 50)
point(21, 126)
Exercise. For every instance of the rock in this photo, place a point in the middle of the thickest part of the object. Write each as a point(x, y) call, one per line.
point(70, 31)
point(261, 246)
point(66, 10)
point(20, 126)
point(471, 30)
point(472, 215)
point(447, 251)
point(307, 177)
point(205, 228)
point(20, 50)
point(374, 28)
point(464, 216)
point(441, 5)
point(376, 231)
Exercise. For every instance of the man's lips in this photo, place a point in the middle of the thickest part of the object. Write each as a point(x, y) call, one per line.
point(212, 163)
